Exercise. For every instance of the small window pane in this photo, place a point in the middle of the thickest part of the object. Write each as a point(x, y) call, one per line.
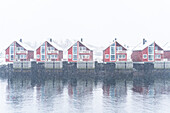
point(106, 56)
point(69, 56)
point(112, 57)
point(74, 57)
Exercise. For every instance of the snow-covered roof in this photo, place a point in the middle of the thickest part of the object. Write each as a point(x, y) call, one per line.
point(141, 46)
point(55, 45)
point(110, 43)
point(24, 45)
point(83, 43)
point(166, 47)
point(51, 43)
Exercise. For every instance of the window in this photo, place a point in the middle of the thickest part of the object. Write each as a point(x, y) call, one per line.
point(69, 56)
point(18, 56)
point(151, 57)
point(121, 56)
point(52, 56)
point(52, 48)
point(7, 56)
point(124, 56)
point(22, 49)
point(25, 56)
point(55, 56)
point(107, 56)
point(42, 57)
point(157, 56)
point(48, 48)
point(151, 52)
point(156, 47)
point(18, 48)
point(48, 56)
point(11, 49)
point(84, 56)
point(74, 49)
point(112, 57)
point(42, 49)
point(119, 48)
point(21, 56)
point(112, 52)
point(12, 57)
point(74, 57)
point(38, 56)
point(144, 56)
point(82, 48)
point(74, 52)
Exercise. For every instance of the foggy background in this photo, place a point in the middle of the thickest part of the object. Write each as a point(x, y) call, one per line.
point(98, 22)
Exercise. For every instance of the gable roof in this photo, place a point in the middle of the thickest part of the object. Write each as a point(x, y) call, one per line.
point(55, 45)
point(24, 45)
point(115, 42)
point(51, 43)
point(140, 46)
point(83, 43)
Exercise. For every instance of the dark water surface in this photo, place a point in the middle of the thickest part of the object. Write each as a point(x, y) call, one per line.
point(56, 95)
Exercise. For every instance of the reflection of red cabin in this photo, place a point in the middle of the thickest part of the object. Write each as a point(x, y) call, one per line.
point(19, 51)
point(79, 52)
point(49, 51)
point(147, 52)
point(115, 52)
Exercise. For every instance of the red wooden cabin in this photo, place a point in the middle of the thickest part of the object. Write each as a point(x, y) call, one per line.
point(147, 52)
point(18, 51)
point(115, 52)
point(167, 51)
point(49, 51)
point(79, 52)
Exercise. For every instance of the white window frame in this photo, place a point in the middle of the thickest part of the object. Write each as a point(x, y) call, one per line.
point(43, 54)
point(123, 56)
point(25, 56)
point(151, 46)
point(145, 57)
point(156, 47)
point(75, 53)
point(114, 54)
point(41, 57)
point(157, 57)
point(56, 56)
point(119, 48)
point(12, 54)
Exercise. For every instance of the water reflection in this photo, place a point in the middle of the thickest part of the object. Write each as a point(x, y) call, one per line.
point(151, 87)
point(85, 95)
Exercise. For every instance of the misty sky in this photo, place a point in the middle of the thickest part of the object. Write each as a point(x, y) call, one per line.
point(98, 22)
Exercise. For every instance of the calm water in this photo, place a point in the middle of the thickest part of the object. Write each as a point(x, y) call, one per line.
point(23, 95)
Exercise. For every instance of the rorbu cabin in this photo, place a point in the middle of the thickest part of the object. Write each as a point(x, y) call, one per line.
point(18, 51)
point(166, 48)
point(147, 52)
point(115, 52)
point(49, 51)
point(79, 52)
